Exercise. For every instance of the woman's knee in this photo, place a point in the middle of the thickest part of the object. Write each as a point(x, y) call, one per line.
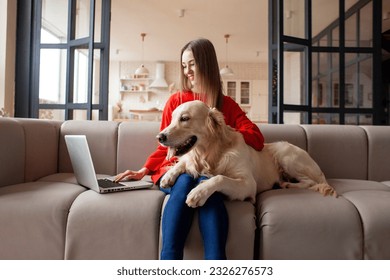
point(183, 185)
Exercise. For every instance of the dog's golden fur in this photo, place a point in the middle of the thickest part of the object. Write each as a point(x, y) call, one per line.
point(235, 169)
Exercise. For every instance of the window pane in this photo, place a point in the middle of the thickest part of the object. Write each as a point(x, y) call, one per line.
point(335, 89)
point(294, 71)
point(79, 114)
point(96, 77)
point(321, 22)
point(294, 18)
point(324, 66)
point(82, 18)
point(52, 114)
point(365, 34)
point(295, 117)
point(325, 118)
point(335, 37)
point(54, 21)
point(358, 119)
point(351, 31)
point(365, 83)
point(351, 71)
point(98, 20)
point(95, 115)
point(80, 86)
point(324, 97)
point(52, 76)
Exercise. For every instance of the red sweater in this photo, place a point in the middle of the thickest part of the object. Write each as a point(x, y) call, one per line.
point(234, 116)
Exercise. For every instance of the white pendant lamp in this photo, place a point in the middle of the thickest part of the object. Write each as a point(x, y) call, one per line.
point(226, 71)
point(142, 71)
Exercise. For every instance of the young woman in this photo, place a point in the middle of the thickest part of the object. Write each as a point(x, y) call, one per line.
point(200, 80)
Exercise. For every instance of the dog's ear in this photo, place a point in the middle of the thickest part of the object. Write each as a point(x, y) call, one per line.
point(215, 119)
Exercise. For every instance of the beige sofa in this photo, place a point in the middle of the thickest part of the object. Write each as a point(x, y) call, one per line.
point(45, 214)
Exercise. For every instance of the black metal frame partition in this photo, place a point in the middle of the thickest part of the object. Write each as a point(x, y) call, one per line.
point(29, 48)
point(279, 43)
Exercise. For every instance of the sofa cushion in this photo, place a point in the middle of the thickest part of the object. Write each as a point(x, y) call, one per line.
point(294, 134)
point(136, 141)
point(34, 219)
point(123, 225)
point(41, 138)
point(302, 224)
point(343, 186)
point(12, 152)
point(340, 151)
point(373, 207)
point(378, 152)
point(102, 141)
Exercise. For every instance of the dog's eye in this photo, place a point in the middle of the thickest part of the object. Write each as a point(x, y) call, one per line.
point(184, 119)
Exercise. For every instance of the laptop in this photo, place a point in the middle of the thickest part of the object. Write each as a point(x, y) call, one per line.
point(84, 169)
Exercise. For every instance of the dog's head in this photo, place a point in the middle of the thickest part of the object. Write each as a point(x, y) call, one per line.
point(193, 124)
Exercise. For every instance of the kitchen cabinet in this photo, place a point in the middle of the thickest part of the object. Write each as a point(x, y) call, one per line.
point(251, 95)
point(240, 91)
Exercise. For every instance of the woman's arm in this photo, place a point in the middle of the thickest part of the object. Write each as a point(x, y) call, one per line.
point(236, 118)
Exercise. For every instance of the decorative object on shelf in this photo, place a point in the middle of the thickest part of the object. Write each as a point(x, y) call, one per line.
point(142, 71)
point(226, 71)
point(3, 113)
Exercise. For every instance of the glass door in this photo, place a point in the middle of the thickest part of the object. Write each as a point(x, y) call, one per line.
point(289, 61)
point(325, 72)
point(70, 56)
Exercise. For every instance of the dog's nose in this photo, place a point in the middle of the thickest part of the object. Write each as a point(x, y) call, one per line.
point(162, 137)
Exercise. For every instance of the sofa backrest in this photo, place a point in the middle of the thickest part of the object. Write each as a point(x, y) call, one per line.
point(293, 134)
point(28, 149)
point(340, 150)
point(12, 150)
point(378, 152)
point(31, 149)
point(102, 137)
point(136, 141)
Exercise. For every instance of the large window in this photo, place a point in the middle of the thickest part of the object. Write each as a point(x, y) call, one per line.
point(68, 73)
point(324, 72)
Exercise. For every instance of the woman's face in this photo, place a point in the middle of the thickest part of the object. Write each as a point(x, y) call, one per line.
point(189, 68)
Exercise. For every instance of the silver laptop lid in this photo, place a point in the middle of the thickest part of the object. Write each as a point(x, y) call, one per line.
point(81, 159)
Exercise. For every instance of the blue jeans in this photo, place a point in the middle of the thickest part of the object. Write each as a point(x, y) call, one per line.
point(177, 220)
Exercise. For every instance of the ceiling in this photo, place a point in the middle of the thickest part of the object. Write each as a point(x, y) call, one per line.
point(168, 30)
point(170, 24)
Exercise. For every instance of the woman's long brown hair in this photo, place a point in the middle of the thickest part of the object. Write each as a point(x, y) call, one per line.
point(207, 66)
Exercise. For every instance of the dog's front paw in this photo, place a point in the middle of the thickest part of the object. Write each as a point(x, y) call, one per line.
point(325, 190)
point(197, 197)
point(167, 180)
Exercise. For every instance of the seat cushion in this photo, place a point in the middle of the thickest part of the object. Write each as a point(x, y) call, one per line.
point(33, 219)
point(374, 210)
point(122, 225)
point(303, 224)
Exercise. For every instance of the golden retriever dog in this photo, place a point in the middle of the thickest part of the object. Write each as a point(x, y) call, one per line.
point(205, 145)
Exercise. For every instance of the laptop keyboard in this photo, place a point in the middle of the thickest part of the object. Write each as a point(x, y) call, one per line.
point(105, 183)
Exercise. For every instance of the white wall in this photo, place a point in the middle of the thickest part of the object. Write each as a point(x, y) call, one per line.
point(7, 54)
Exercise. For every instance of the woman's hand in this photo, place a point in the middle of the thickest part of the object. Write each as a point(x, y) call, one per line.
point(132, 175)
